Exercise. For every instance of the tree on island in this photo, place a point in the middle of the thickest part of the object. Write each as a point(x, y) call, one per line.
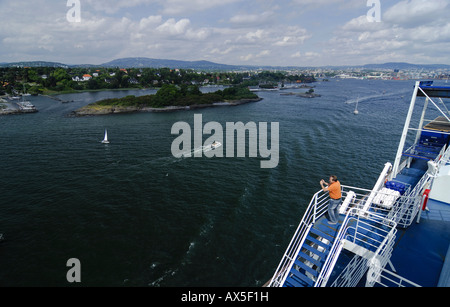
point(172, 95)
point(167, 95)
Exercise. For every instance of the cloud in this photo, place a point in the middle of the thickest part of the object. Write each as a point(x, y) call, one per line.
point(172, 27)
point(410, 13)
point(150, 22)
point(361, 23)
point(252, 36)
point(325, 5)
point(413, 31)
point(316, 2)
point(243, 20)
point(303, 32)
point(251, 56)
point(114, 6)
point(177, 7)
point(293, 36)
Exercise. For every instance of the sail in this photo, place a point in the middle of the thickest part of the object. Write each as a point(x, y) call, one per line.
point(105, 140)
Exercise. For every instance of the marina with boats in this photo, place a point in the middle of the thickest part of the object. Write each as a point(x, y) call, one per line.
point(16, 105)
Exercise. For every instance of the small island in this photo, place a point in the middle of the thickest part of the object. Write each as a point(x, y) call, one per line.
point(170, 98)
point(309, 94)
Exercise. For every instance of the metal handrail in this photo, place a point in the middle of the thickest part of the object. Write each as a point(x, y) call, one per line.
point(404, 213)
point(335, 251)
point(388, 278)
point(382, 256)
point(383, 246)
point(444, 156)
point(316, 209)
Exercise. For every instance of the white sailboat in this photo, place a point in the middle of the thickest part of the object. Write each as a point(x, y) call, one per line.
point(105, 140)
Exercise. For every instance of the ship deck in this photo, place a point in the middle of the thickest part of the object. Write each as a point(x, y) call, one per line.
point(377, 242)
point(420, 250)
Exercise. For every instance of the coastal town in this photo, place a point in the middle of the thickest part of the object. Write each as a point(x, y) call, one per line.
point(19, 81)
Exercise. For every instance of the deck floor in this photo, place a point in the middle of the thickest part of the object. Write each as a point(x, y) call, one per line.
point(420, 250)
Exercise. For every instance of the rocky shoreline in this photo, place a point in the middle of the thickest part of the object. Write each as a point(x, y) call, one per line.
point(308, 95)
point(304, 95)
point(9, 111)
point(106, 110)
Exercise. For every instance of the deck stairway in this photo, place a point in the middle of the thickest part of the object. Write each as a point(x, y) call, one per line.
point(356, 235)
point(310, 259)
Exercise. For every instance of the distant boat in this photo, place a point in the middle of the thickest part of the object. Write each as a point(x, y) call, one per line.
point(25, 105)
point(356, 112)
point(105, 140)
point(215, 145)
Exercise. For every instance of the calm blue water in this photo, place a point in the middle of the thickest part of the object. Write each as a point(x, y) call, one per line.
point(136, 216)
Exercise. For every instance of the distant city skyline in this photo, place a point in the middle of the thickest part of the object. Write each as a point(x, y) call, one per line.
point(234, 32)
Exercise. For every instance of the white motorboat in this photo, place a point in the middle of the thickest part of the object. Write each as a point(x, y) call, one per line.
point(215, 145)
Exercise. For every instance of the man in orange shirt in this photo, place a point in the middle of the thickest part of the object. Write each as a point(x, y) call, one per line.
point(333, 187)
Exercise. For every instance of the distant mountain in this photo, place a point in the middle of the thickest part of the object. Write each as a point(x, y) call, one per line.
point(160, 63)
point(138, 62)
point(141, 62)
point(406, 66)
point(34, 64)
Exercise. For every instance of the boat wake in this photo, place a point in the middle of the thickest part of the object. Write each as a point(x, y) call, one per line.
point(167, 273)
point(165, 162)
point(370, 97)
point(186, 260)
point(194, 151)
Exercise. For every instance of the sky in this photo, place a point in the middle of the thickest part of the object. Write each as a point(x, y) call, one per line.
point(236, 32)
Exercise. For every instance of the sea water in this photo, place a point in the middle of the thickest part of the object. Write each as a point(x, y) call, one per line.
point(134, 215)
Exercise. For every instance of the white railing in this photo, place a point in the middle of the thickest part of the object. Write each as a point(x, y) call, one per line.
point(382, 256)
point(316, 209)
point(404, 212)
point(332, 257)
point(357, 211)
point(371, 238)
point(444, 157)
point(390, 279)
